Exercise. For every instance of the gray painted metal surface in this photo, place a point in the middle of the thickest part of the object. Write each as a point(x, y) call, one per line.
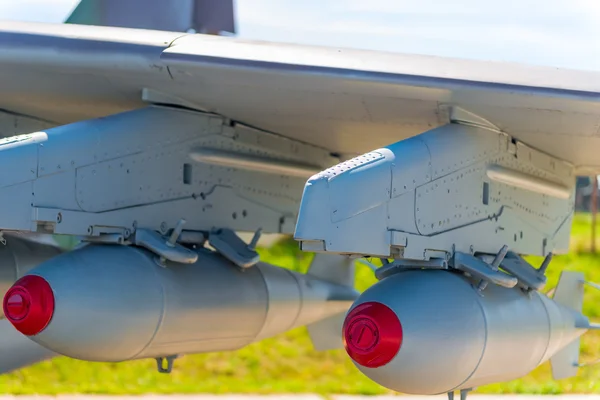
point(116, 303)
point(432, 195)
point(137, 170)
point(327, 97)
point(240, 126)
point(12, 124)
point(455, 337)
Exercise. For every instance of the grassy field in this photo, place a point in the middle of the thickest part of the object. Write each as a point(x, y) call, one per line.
point(287, 363)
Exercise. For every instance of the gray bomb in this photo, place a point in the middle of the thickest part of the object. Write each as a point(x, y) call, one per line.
point(432, 332)
point(116, 303)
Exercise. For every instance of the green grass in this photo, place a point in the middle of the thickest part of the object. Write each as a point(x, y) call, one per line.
point(287, 363)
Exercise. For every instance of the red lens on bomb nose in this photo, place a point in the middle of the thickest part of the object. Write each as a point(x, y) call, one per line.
point(17, 305)
point(372, 334)
point(29, 304)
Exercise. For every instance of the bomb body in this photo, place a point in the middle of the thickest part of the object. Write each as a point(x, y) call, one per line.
point(116, 303)
point(449, 335)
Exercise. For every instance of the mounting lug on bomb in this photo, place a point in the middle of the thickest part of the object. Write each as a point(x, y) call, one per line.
point(176, 233)
point(233, 248)
point(483, 271)
point(169, 360)
point(463, 394)
point(529, 277)
point(495, 265)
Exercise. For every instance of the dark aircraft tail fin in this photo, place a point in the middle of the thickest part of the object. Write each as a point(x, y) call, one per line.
point(202, 16)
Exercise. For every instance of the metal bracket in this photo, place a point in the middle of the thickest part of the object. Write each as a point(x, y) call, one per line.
point(107, 238)
point(233, 248)
point(404, 264)
point(166, 250)
point(463, 394)
point(483, 271)
point(529, 277)
point(197, 238)
point(160, 364)
point(494, 265)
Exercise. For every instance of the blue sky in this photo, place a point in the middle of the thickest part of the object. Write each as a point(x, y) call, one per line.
point(561, 33)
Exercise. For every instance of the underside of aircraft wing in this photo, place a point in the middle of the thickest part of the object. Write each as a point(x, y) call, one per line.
point(339, 99)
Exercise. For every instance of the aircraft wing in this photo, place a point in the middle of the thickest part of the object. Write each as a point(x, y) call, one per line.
point(149, 146)
point(339, 99)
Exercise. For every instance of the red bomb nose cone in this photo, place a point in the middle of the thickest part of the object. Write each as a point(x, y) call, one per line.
point(29, 304)
point(372, 334)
